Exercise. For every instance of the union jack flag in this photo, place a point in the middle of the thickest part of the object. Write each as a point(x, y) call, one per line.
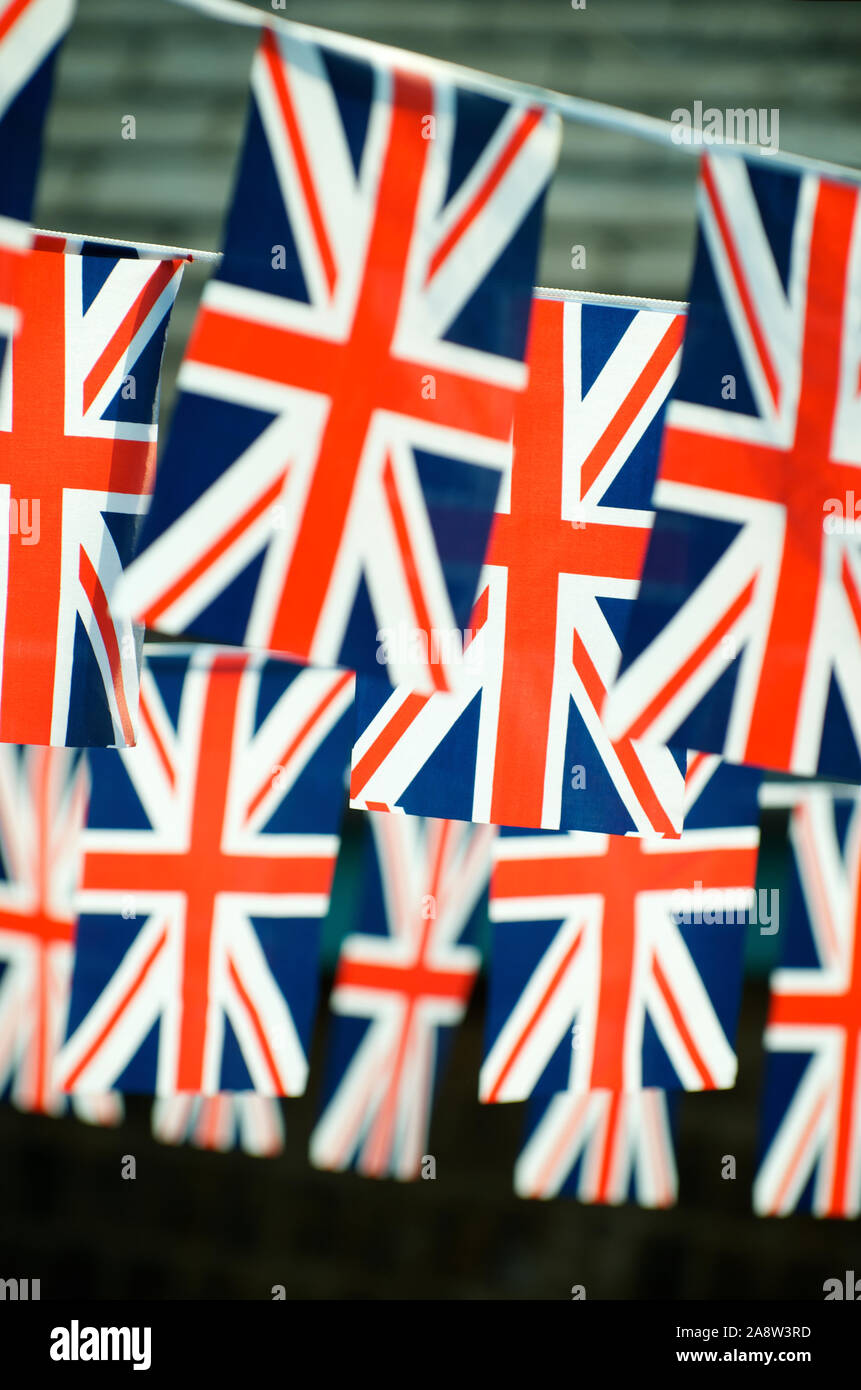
point(401, 986)
point(251, 1122)
point(746, 636)
point(348, 390)
point(520, 742)
point(77, 457)
point(30, 35)
point(209, 854)
point(597, 982)
point(811, 1128)
point(43, 799)
point(31, 32)
point(602, 1147)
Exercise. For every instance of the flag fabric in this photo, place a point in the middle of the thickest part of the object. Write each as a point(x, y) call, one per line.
point(347, 392)
point(520, 741)
point(43, 798)
point(77, 456)
point(209, 854)
point(250, 1122)
point(14, 242)
point(16, 238)
point(31, 32)
point(746, 636)
point(402, 984)
point(602, 1147)
point(616, 961)
point(810, 1156)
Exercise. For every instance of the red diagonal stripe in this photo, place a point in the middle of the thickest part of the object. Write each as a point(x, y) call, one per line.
point(528, 122)
point(740, 283)
point(214, 553)
point(272, 58)
point(633, 403)
point(690, 1046)
point(154, 734)
point(624, 749)
point(798, 1153)
point(552, 986)
point(11, 16)
point(118, 346)
point(92, 587)
point(697, 656)
point(385, 742)
point(560, 1151)
point(313, 718)
point(280, 1086)
point(121, 1007)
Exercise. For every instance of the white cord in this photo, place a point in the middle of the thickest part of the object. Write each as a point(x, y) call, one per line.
point(597, 113)
point(182, 253)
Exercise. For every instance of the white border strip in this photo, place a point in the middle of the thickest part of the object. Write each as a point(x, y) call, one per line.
point(626, 301)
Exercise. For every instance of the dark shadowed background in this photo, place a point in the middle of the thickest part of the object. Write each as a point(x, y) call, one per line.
point(196, 1225)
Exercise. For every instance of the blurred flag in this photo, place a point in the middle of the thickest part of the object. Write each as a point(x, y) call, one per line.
point(811, 1126)
point(250, 1122)
point(348, 389)
point(77, 456)
point(616, 961)
point(401, 986)
point(43, 801)
point(746, 636)
point(520, 742)
point(209, 855)
point(31, 32)
point(30, 35)
point(602, 1147)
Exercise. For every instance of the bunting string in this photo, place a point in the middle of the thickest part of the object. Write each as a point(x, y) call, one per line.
point(143, 248)
point(583, 110)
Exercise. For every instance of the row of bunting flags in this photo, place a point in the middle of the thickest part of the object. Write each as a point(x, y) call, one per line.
point(548, 578)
